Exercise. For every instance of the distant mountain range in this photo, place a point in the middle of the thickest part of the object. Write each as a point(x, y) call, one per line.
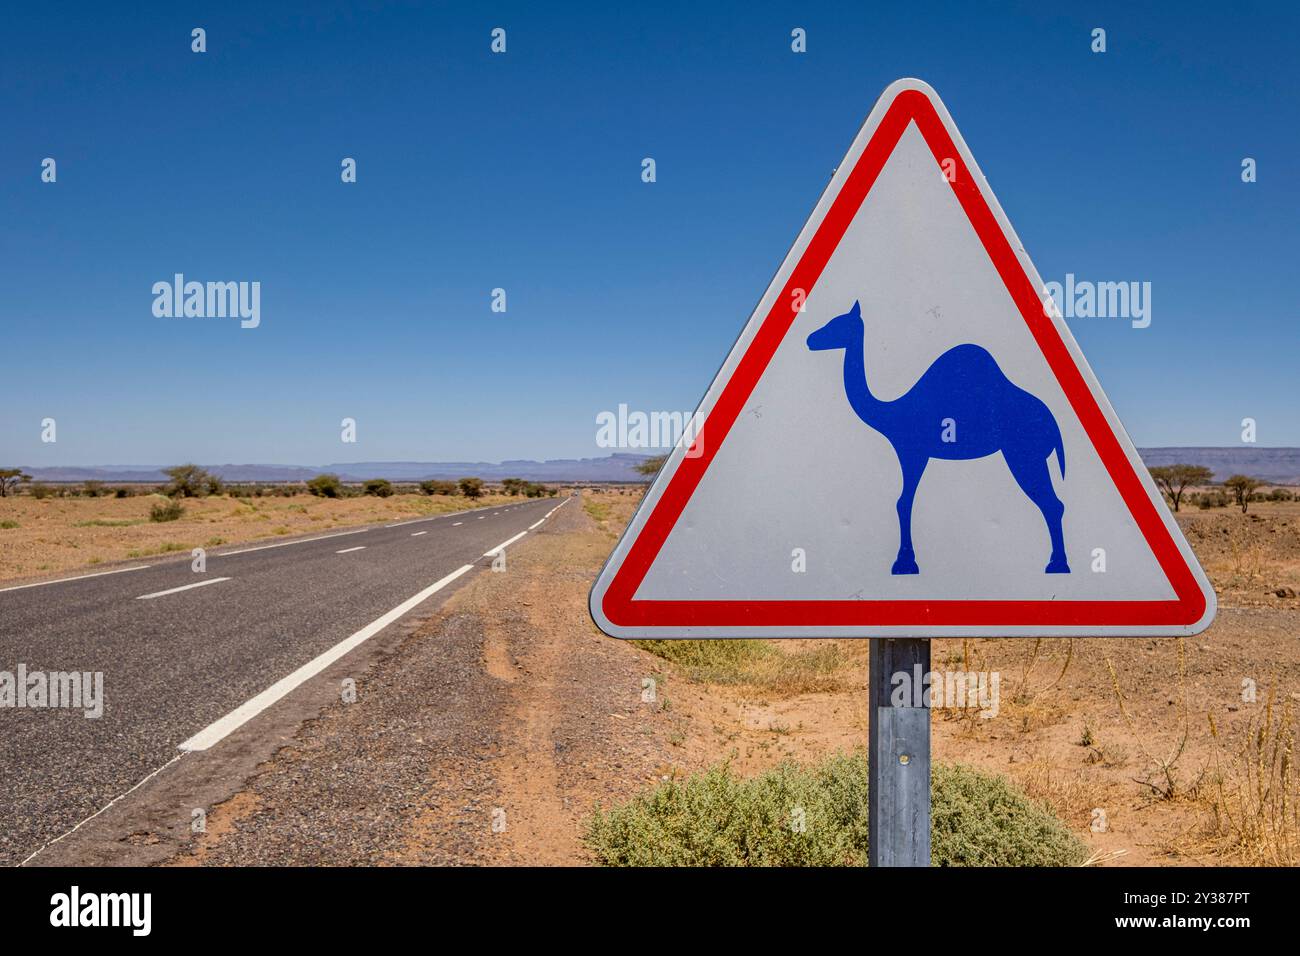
point(1273, 465)
point(618, 467)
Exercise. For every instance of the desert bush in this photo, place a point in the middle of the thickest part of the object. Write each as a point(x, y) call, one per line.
point(433, 487)
point(378, 487)
point(120, 492)
point(186, 481)
point(797, 815)
point(325, 486)
point(471, 487)
point(168, 510)
point(92, 489)
point(40, 490)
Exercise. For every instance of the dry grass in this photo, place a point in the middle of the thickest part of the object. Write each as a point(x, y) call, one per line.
point(1254, 794)
point(818, 667)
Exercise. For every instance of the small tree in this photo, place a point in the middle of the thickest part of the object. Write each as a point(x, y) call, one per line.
point(1173, 480)
point(187, 481)
point(1242, 486)
point(378, 487)
point(514, 486)
point(434, 487)
point(651, 466)
point(471, 487)
point(326, 486)
point(10, 479)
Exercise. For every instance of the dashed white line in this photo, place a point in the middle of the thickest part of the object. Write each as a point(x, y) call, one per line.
point(360, 547)
point(457, 523)
point(504, 544)
point(285, 544)
point(245, 712)
point(184, 587)
point(97, 574)
point(416, 534)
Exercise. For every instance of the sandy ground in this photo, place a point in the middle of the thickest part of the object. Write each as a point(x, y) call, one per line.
point(40, 537)
point(493, 731)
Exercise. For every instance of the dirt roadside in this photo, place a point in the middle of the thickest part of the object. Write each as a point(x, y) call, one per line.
point(493, 728)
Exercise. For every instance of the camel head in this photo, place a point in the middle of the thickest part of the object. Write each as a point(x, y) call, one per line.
point(839, 332)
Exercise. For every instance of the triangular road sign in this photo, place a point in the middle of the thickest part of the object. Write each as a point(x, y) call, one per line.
point(904, 440)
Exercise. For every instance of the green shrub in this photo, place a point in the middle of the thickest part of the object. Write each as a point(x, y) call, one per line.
point(92, 489)
point(8, 524)
point(719, 819)
point(326, 486)
point(187, 481)
point(121, 492)
point(471, 487)
point(168, 510)
point(379, 487)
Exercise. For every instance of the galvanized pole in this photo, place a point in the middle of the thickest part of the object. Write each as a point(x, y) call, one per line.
point(899, 754)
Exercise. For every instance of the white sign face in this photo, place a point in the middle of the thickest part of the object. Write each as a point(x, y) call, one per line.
point(905, 441)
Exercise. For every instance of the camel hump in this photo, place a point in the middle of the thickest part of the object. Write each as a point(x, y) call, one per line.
point(968, 362)
point(970, 354)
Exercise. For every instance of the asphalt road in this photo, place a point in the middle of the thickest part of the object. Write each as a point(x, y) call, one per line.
point(177, 660)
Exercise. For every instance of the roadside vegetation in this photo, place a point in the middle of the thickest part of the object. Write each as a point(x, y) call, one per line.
point(47, 527)
point(816, 815)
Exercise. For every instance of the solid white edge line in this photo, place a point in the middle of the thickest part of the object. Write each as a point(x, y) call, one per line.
point(183, 587)
point(285, 544)
point(245, 712)
point(97, 574)
point(504, 544)
point(360, 547)
point(536, 524)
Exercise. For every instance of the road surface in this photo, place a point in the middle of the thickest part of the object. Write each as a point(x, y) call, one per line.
point(188, 658)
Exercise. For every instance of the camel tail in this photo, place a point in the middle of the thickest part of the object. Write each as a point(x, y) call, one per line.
point(1060, 453)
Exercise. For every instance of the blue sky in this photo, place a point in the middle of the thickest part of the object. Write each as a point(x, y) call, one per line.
point(522, 171)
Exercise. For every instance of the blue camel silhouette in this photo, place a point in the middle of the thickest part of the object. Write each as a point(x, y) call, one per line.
point(962, 408)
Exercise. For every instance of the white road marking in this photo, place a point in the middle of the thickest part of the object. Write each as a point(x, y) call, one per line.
point(183, 587)
point(416, 534)
point(504, 544)
point(458, 523)
point(245, 712)
point(360, 547)
point(97, 574)
point(536, 524)
point(285, 544)
point(481, 517)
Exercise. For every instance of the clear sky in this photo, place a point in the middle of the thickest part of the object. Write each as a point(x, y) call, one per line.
point(523, 171)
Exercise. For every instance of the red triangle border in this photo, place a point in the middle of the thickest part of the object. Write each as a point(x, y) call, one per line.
point(620, 607)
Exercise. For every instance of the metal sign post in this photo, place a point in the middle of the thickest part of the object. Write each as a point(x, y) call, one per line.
point(898, 754)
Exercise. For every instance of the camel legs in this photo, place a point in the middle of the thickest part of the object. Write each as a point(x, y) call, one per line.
point(1035, 480)
point(913, 468)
